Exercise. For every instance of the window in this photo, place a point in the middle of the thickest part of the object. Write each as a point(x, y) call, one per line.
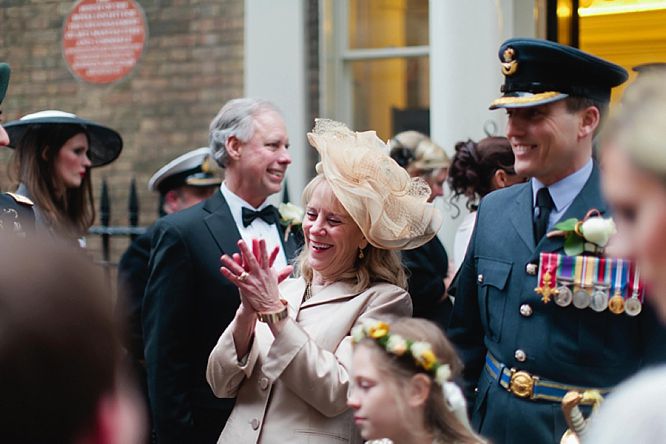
point(627, 32)
point(375, 64)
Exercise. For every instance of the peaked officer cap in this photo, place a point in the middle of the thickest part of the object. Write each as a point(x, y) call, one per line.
point(192, 168)
point(538, 71)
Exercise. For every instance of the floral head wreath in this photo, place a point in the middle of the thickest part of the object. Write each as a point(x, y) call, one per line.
point(424, 358)
point(396, 345)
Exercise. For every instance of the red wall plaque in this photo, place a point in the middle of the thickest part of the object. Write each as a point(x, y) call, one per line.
point(103, 39)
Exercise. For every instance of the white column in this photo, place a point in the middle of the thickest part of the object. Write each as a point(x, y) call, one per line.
point(275, 67)
point(465, 75)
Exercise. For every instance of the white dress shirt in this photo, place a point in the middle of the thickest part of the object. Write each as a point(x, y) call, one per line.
point(258, 229)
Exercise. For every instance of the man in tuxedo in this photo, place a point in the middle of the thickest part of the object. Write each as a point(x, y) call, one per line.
point(523, 353)
point(188, 303)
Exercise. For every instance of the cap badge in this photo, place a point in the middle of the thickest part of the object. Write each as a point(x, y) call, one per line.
point(510, 65)
point(205, 165)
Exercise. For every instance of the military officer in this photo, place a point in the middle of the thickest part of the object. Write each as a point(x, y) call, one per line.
point(522, 355)
point(16, 214)
point(185, 181)
point(181, 183)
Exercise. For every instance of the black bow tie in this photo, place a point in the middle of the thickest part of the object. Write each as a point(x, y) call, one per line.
point(268, 214)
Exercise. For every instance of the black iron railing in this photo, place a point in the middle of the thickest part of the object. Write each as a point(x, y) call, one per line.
point(107, 231)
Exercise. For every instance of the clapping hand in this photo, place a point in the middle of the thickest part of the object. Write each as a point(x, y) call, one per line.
point(251, 272)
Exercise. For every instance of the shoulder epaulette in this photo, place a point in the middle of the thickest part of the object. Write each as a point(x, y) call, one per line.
point(20, 199)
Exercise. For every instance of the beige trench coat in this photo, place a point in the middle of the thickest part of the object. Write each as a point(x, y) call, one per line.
point(293, 389)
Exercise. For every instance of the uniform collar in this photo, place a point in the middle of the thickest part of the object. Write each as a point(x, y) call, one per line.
point(565, 191)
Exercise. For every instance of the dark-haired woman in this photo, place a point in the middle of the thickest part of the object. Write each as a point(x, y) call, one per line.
point(428, 265)
point(55, 151)
point(477, 169)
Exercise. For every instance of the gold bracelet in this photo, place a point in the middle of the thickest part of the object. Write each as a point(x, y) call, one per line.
point(274, 316)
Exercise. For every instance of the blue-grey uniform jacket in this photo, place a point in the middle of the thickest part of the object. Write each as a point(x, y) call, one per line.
point(497, 310)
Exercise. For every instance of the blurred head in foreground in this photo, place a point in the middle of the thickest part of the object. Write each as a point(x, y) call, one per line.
point(633, 161)
point(59, 372)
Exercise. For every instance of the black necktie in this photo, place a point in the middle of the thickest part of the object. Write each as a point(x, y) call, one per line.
point(544, 204)
point(268, 214)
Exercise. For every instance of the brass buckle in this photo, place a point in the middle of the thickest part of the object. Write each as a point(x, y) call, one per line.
point(522, 384)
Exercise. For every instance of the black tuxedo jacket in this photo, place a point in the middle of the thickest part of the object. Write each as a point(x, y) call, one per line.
point(186, 307)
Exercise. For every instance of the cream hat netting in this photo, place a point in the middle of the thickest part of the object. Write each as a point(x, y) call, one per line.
point(390, 207)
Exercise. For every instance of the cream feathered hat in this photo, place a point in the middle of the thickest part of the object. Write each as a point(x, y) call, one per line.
point(390, 207)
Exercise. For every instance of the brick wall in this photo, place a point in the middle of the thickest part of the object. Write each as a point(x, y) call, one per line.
point(191, 64)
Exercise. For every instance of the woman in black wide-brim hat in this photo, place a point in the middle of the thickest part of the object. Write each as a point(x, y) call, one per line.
point(55, 151)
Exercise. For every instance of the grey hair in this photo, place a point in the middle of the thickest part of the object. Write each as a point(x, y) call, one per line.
point(236, 118)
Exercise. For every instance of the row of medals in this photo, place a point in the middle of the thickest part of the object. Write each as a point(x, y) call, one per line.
point(597, 299)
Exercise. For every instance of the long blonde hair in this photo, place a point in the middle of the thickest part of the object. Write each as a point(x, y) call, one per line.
point(377, 265)
point(439, 420)
point(71, 212)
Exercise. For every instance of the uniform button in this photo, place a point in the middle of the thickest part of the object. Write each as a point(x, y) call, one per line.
point(254, 423)
point(531, 269)
point(526, 310)
point(520, 355)
point(479, 278)
point(263, 383)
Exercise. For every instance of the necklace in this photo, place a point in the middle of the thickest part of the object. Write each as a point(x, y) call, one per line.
point(308, 291)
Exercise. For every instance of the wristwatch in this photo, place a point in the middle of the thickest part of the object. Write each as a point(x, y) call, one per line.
point(274, 316)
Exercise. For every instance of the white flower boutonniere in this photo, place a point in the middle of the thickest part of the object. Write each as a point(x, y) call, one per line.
point(291, 216)
point(591, 234)
point(598, 230)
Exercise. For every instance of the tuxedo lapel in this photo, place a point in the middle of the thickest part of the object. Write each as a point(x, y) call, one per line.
point(221, 224)
point(292, 244)
point(521, 216)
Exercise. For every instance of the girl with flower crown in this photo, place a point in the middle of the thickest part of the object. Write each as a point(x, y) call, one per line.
point(402, 384)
